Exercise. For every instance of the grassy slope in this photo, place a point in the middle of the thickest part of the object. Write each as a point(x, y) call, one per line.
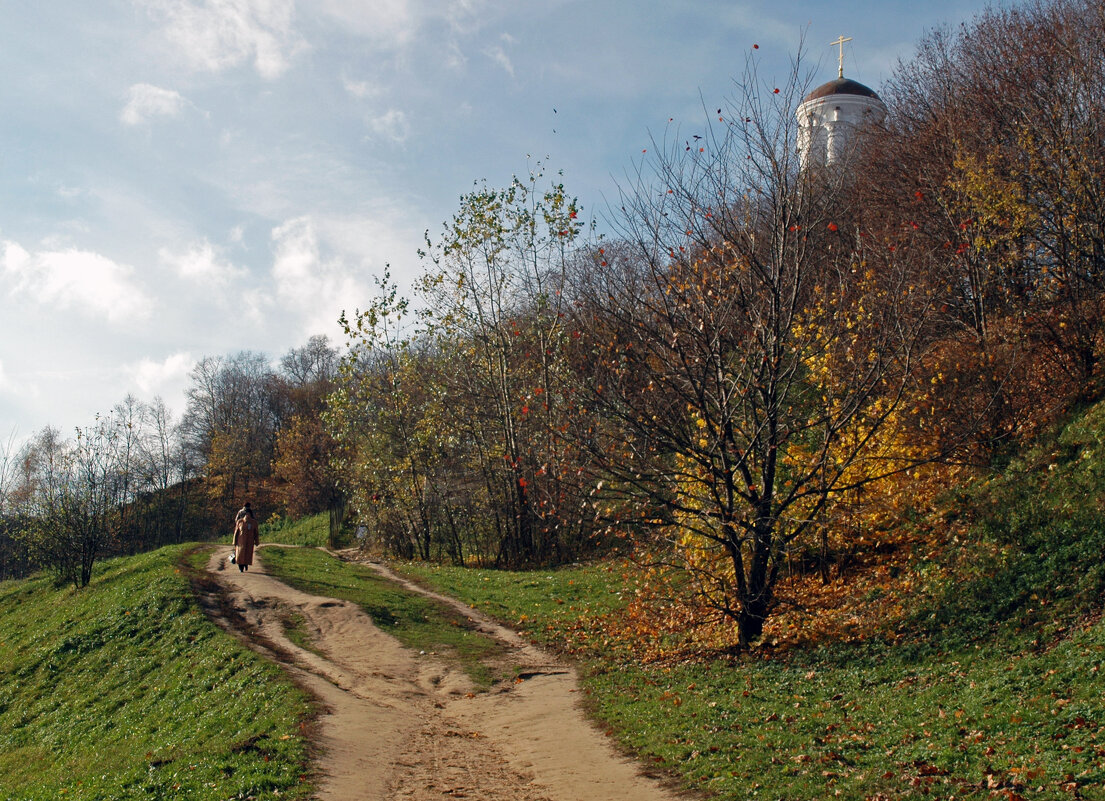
point(313, 531)
point(993, 687)
point(126, 690)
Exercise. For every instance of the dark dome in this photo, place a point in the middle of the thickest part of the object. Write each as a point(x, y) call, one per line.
point(841, 86)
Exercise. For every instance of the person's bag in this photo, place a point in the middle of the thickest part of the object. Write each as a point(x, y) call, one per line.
point(232, 560)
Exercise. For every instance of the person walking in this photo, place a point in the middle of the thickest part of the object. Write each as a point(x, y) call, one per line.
point(246, 538)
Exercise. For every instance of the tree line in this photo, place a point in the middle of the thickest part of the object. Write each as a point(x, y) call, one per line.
point(137, 478)
point(758, 361)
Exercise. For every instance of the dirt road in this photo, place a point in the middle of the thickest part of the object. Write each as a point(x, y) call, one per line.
point(402, 725)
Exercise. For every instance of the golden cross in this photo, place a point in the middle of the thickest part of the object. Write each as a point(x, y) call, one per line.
point(840, 42)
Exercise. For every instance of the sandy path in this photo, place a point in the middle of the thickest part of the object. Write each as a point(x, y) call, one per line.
point(399, 725)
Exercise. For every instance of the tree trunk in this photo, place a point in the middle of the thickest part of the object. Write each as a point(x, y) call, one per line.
point(756, 591)
point(750, 622)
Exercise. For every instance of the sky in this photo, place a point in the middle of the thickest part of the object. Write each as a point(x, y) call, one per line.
point(191, 178)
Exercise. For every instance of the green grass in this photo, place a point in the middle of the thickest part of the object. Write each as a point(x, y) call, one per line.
point(125, 689)
point(418, 622)
point(295, 629)
point(312, 531)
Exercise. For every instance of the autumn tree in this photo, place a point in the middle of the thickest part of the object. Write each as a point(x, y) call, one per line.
point(393, 447)
point(229, 424)
point(752, 352)
point(304, 449)
point(494, 291)
point(992, 153)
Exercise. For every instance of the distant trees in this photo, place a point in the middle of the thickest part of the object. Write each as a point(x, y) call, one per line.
point(78, 498)
point(253, 428)
point(136, 479)
point(13, 556)
point(303, 455)
point(230, 422)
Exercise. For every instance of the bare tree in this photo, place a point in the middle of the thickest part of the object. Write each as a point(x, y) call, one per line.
point(312, 364)
point(14, 553)
point(8, 471)
point(230, 421)
point(76, 495)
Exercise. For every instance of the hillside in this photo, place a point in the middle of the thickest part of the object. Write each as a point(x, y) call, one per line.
point(126, 689)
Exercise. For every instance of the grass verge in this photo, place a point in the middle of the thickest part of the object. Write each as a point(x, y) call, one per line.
point(418, 622)
point(126, 689)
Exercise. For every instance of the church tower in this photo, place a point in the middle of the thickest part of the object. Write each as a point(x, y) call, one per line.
point(831, 113)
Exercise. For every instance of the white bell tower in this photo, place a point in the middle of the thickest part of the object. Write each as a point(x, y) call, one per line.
point(830, 114)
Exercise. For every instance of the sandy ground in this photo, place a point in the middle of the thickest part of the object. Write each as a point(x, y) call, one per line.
point(402, 725)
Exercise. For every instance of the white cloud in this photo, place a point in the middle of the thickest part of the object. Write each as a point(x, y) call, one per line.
point(201, 264)
point(297, 252)
point(392, 124)
point(499, 56)
point(145, 101)
point(387, 22)
point(454, 57)
point(466, 16)
point(24, 388)
point(215, 35)
point(360, 89)
point(75, 279)
point(391, 25)
point(313, 287)
point(497, 53)
point(161, 378)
